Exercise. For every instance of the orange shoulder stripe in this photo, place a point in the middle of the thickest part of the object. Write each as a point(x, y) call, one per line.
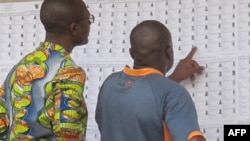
point(195, 133)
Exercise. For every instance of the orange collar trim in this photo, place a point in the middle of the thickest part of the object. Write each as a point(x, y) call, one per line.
point(140, 72)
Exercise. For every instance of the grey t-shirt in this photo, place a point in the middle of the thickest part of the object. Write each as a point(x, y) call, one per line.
point(133, 107)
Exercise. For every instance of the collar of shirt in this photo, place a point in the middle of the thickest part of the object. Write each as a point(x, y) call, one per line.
point(55, 47)
point(140, 72)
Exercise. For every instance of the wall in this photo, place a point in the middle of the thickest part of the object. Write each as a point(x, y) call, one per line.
point(219, 28)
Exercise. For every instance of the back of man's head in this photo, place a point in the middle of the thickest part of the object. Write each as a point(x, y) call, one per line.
point(150, 41)
point(55, 15)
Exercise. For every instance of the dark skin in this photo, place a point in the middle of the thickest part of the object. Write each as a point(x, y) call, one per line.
point(63, 23)
point(149, 43)
point(151, 47)
point(187, 68)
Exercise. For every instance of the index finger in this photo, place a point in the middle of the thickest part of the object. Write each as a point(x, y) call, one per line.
point(191, 53)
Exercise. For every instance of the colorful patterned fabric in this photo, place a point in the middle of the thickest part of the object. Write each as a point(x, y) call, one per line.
point(42, 98)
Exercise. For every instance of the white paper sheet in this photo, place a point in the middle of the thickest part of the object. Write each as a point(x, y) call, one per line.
point(219, 28)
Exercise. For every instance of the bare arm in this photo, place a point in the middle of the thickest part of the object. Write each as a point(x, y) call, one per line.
point(187, 68)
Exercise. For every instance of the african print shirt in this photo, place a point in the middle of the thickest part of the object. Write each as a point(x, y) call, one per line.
point(42, 98)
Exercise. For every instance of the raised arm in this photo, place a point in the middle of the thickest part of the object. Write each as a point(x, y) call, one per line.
point(187, 68)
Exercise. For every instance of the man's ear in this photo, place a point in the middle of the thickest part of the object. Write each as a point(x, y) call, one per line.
point(170, 55)
point(169, 52)
point(131, 53)
point(73, 28)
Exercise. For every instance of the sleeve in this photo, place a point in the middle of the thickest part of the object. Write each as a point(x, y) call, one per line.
point(180, 114)
point(99, 105)
point(98, 110)
point(4, 120)
point(70, 110)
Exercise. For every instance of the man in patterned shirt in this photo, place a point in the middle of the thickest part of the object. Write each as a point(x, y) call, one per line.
point(42, 96)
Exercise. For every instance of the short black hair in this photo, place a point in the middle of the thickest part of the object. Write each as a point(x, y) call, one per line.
point(151, 34)
point(55, 15)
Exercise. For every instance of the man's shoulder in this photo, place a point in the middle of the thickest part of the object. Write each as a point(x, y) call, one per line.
point(161, 79)
point(162, 82)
